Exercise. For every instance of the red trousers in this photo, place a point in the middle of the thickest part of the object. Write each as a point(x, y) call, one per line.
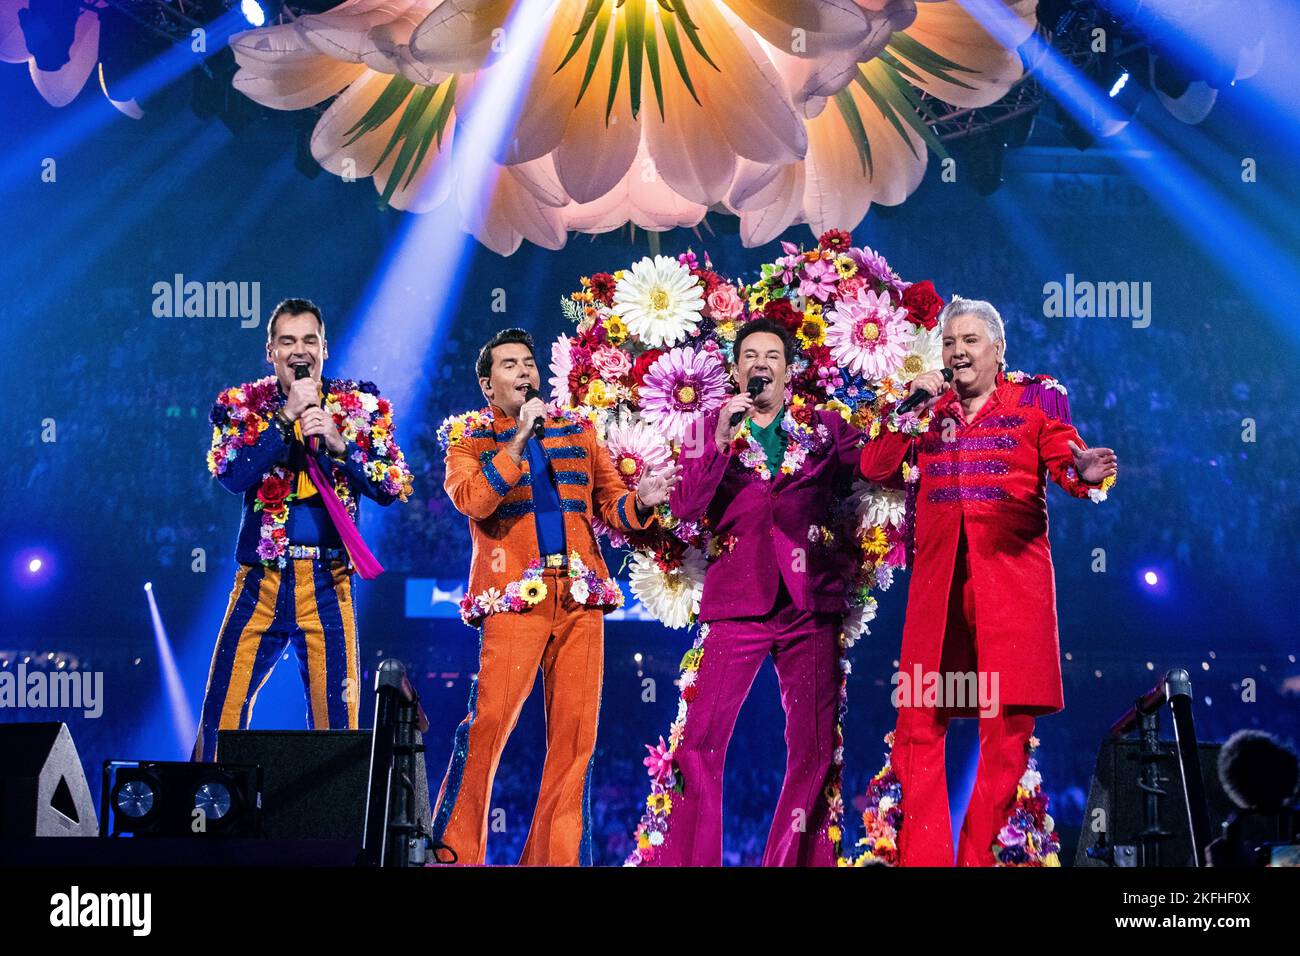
point(925, 838)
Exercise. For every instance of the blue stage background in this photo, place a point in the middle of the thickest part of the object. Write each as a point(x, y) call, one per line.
point(122, 497)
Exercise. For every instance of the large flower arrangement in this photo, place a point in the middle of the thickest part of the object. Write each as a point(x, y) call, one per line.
point(651, 357)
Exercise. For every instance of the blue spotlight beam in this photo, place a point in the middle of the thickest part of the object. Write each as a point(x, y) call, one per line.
point(81, 120)
point(1263, 271)
point(417, 287)
point(178, 702)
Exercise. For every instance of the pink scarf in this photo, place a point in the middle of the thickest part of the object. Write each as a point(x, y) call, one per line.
point(367, 564)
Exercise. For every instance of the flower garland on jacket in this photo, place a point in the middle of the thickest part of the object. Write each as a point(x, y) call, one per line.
point(586, 588)
point(455, 428)
point(804, 434)
point(361, 415)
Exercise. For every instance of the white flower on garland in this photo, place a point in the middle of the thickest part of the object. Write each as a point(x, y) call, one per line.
point(635, 448)
point(926, 354)
point(671, 597)
point(869, 335)
point(856, 621)
point(659, 301)
point(578, 590)
point(877, 506)
point(561, 365)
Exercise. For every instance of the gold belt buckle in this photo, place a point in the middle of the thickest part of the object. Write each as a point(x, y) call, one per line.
point(554, 560)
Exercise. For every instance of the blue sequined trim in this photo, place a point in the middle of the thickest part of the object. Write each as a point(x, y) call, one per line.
point(562, 430)
point(569, 451)
point(572, 478)
point(622, 512)
point(459, 754)
point(584, 848)
point(573, 504)
point(514, 509)
point(499, 484)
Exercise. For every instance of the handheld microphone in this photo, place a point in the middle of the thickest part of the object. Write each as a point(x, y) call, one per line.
point(539, 426)
point(301, 371)
point(756, 385)
point(920, 396)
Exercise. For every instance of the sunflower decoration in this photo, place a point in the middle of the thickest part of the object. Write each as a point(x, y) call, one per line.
point(533, 592)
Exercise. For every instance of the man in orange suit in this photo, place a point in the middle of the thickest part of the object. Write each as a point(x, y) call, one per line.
point(538, 590)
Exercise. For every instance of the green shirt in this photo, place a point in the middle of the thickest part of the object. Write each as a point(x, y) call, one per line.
point(772, 438)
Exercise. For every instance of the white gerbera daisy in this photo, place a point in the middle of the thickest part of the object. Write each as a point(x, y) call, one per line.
point(672, 597)
point(856, 621)
point(926, 354)
point(635, 448)
point(877, 506)
point(561, 365)
point(659, 301)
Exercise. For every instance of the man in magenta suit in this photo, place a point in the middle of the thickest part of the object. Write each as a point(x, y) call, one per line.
point(766, 486)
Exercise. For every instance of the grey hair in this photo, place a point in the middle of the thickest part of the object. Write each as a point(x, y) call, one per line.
point(982, 310)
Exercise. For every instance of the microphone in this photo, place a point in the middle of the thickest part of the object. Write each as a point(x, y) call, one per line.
point(539, 426)
point(301, 371)
point(920, 396)
point(756, 385)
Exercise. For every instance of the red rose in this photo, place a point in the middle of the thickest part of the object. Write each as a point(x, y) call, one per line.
point(643, 364)
point(273, 491)
point(923, 304)
point(688, 693)
point(780, 310)
point(384, 406)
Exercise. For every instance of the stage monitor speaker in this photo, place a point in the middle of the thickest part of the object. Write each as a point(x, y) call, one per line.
point(1116, 793)
point(314, 782)
point(43, 790)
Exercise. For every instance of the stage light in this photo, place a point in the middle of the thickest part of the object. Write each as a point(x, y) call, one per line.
point(134, 799)
point(1151, 578)
point(213, 799)
point(148, 585)
point(1119, 84)
point(253, 12)
point(637, 657)
point(48, 27)
point(34, 565)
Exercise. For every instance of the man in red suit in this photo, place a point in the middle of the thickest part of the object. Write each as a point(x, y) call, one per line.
point(982, 600)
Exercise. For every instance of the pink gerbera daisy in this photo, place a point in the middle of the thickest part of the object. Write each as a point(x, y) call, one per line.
point(681, 387)
point(869, 335)
point(635, 448)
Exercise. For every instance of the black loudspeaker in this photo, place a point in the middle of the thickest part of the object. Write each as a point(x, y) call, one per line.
point(314, 782)
point(43, 789)
point(1113, 820)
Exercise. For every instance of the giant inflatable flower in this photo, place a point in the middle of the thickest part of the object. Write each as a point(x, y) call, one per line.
point(585, 115)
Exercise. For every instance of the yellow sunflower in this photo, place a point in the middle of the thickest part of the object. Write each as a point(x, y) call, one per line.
point(812, 330)
point(846, 267)
point(533, 592)
point(615, 331)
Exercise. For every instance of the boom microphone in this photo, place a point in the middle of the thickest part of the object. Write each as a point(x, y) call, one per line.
point(920, 396)
point(756, 385)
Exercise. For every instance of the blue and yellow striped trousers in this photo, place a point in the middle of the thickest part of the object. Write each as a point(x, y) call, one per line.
point(308, 604)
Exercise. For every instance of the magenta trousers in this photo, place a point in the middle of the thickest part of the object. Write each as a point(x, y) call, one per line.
point(805, 650)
